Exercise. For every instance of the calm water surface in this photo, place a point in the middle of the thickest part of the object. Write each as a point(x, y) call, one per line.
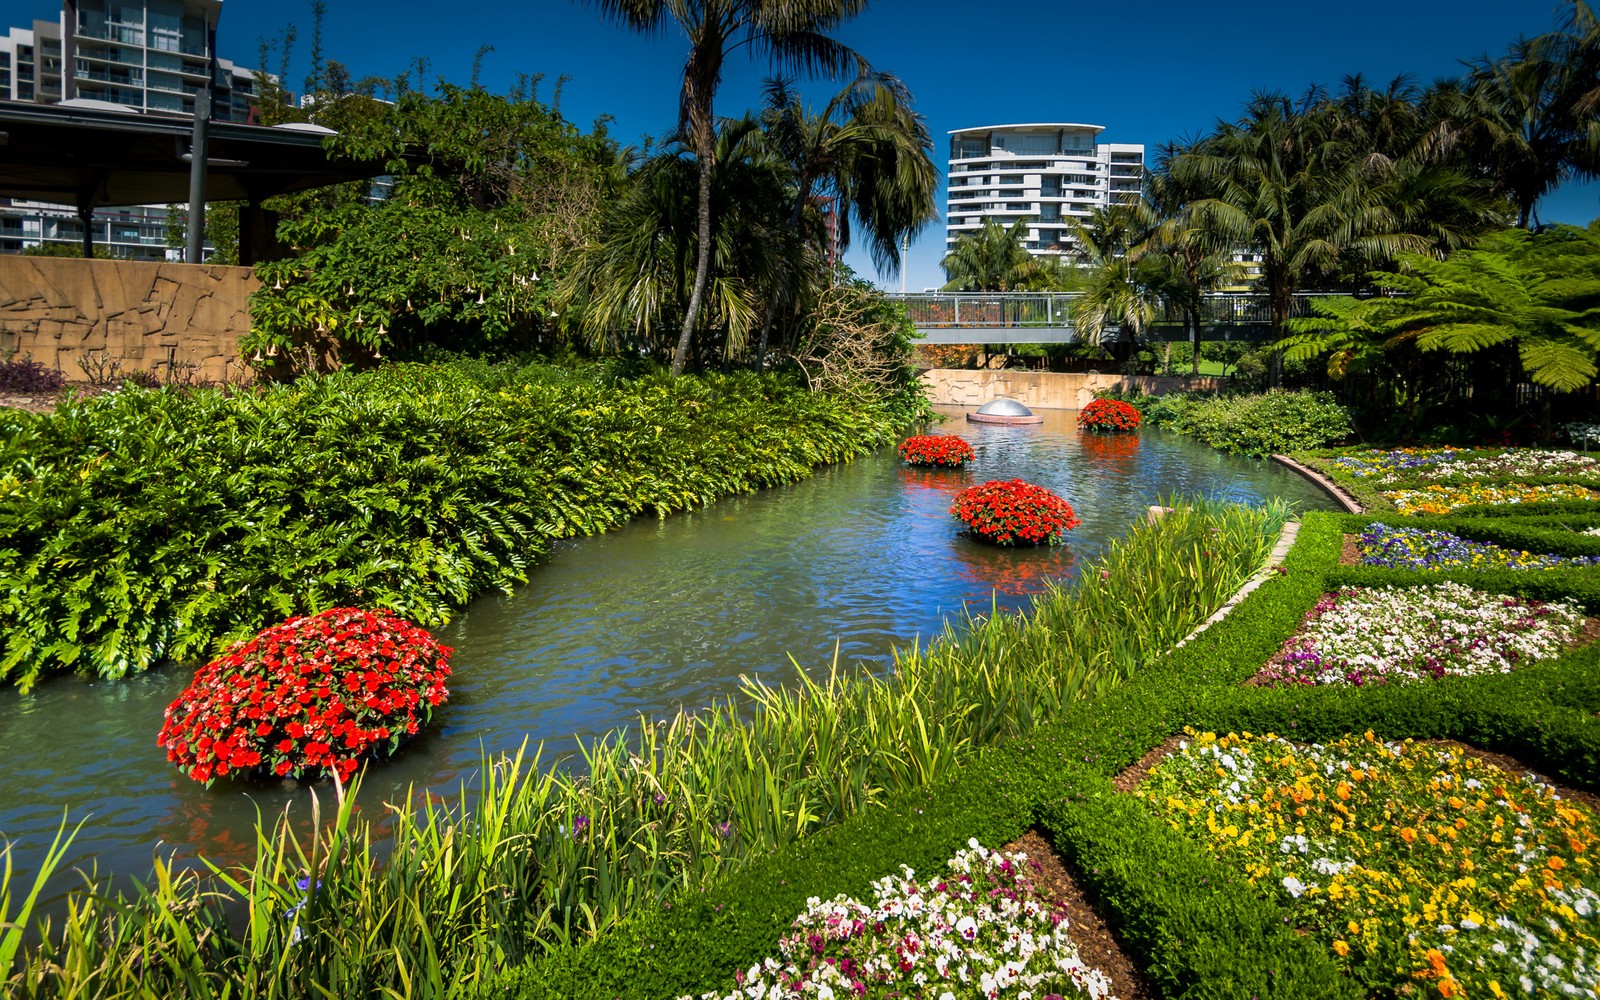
point(656, 616)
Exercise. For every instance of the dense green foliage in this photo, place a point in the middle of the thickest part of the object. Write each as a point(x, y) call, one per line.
point(1535, 292)
point(540, 859)
point(1259, 425)
point(149, 525)
point(1192, 924)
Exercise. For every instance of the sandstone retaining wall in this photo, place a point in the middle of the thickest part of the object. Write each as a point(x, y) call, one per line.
point(1044, 390)
point(142, 314)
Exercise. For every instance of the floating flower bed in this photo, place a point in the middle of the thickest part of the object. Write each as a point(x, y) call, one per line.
point(1014, 513)
point(1368, 635)
point(1425, 869)
point(936, 449)
point(1439, 463)
point(1109, 416)
point(979, 929)
point(1443, 499)
point(1413, 548)
point(311, 697)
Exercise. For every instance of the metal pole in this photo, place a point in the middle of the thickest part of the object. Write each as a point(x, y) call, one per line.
point(86, 216)
point(197, 176)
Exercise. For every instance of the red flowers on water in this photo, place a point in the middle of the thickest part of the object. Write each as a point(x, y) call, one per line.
point(1014, 513)
point(936, 449)
point(1109, 416)
point(311, 697)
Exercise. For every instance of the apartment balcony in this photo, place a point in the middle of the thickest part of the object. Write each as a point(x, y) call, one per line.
point(125, 57)
point(125, 34)
point(125, 78)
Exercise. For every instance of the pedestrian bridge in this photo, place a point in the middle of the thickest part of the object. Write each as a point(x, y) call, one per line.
point(1046, 317)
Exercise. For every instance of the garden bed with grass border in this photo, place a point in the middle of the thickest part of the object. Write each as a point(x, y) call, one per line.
point(1194, 925)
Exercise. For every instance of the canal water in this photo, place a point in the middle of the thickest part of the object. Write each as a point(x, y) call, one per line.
point(658, 615)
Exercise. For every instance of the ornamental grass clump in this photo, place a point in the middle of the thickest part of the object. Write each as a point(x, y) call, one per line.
point(1014, 513)
point(1423, 869)
point(1365, 635)
point(936, 449)
point(978, 929)
point(313, 697)
point(1413, 548)
point(1109, 416)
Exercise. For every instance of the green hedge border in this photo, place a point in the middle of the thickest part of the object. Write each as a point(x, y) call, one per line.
point(1197, 928)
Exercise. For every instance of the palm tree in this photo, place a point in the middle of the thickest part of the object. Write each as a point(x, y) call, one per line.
point(634, 273)
point(1288, 182)
point(790, 33)
point(992, 259)
point(867, 152)
point(1109, 246)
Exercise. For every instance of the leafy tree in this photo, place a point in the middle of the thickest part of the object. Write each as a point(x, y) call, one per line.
point(1538, 292)
point(1110, 246)
point(791, 33)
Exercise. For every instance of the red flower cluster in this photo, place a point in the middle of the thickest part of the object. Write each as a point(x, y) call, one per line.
point(1014, 513)
point(935, 449)
point(310, 697)
point(1108, 416)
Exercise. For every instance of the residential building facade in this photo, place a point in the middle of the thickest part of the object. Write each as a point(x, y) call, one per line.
point(151, 56)
point(1046, 173)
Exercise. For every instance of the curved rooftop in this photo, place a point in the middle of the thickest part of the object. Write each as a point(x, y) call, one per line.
point(1055, 125)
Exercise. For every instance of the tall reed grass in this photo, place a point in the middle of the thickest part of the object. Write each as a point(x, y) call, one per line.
point(535, 855)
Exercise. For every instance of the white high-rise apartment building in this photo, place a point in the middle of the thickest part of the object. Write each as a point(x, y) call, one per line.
point(151, 56)
point(1045, 173)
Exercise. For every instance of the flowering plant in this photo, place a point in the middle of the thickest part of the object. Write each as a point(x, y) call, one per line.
point(1443, 499)
point(1416, 863)
point(1109, 416)
point(935, 449)
point(1014, 513)
point(977, 930)
point(1364, 635)
point(1407, 464)
point(1413, 548)
point(313, 696)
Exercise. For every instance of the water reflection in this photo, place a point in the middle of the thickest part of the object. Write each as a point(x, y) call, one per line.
point(658, 615)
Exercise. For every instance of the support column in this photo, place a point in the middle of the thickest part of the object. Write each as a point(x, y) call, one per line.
point(197, 176)
point(69, 49)
point(86, 217)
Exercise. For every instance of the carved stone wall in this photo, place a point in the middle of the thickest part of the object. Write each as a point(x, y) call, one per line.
point(142, 314)
point(1045, 390)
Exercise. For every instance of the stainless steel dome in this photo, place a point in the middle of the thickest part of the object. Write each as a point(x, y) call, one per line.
point(1004, 408)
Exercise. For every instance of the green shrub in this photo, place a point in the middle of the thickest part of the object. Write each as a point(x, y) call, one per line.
point(1265, 424)
point(143, 526)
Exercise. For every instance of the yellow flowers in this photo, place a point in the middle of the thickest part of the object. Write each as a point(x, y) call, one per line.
point(1443, 499)
point(1401, 856)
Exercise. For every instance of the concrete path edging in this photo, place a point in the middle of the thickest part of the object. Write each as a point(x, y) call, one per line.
point(1345, 500)
point(1286, 538)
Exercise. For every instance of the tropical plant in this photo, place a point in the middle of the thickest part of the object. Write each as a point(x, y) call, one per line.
point(867, 155)
point(992, 259)
point(791, 33)
point(1109, 247)
point(1538, 292)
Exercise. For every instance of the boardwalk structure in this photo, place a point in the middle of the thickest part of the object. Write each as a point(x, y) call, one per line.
point(1046, 317)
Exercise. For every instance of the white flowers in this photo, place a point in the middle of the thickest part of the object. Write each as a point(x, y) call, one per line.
point(1296, 887)
point(978, 926)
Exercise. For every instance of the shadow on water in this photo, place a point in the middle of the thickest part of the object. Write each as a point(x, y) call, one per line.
point(657, 616)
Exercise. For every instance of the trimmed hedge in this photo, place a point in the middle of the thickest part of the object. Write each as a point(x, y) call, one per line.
point(1195, 926)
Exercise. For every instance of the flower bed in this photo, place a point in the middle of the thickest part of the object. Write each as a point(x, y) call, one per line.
point(1403, 464)
point(1421, 867)
point(1413, 548)
point(311, 697)
point(936, 449)
point(1443, 499)
point(1370, 635)
point(1109, 416)
point(977, 930)
point(1014, 513)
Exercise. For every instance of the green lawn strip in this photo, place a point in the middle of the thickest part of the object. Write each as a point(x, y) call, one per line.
point(1196, 927)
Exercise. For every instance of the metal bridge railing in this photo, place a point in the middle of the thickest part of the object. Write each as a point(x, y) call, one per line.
point(999, 310)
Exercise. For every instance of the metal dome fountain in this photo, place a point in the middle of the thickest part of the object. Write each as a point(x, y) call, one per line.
point(1004, 411)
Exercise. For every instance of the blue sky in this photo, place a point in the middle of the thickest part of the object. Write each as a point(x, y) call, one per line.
point(1149, 72)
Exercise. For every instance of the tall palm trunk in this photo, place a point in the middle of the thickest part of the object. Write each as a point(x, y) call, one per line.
point(702, 264)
